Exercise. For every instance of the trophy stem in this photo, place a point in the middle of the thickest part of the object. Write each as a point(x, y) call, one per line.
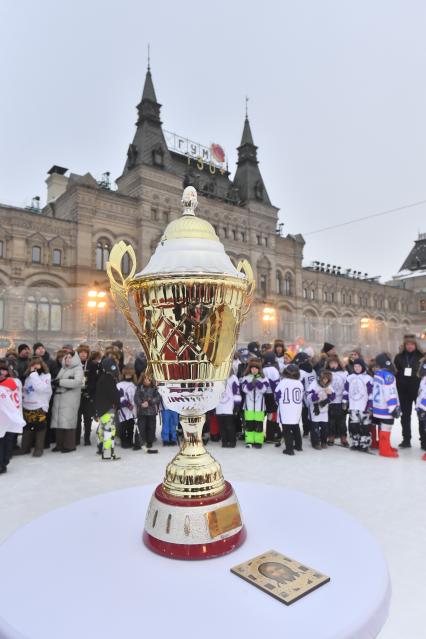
point(193, 473)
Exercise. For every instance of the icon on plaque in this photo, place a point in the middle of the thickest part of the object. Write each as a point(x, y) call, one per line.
point(285, 579)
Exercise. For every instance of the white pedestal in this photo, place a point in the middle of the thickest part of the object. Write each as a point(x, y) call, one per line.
point(82, 571)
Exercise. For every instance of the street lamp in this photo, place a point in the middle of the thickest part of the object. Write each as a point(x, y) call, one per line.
point(95, 303)
point(268, 318)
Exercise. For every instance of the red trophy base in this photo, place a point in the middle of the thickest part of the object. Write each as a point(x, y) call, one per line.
point(201, 528)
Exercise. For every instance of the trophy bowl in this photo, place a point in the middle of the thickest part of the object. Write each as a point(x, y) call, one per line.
point(186, 307)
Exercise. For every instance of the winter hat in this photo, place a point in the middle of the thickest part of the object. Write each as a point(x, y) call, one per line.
point(291, 371)
point(327, 347)
point(383, 361)
point(422, 368)
point(334, 358)
point(269, 359)
point(243, 355)
point(83, 348)
point(410, 339)
point(279, 342)
point(254, 361)
point(324, 377)
point(68, 347)
point(361, 362)
point(254, 348)
point(21, 347)
point(109, 365)
point(300, 358)
point(37, 345)
point(118, 343)
point(265, 348)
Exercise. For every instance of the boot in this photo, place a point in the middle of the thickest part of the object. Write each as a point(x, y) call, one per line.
point(344, 441)
point(40, 436)
point(27, 441)
point(288, 440)
point(374, 440)
point(424, 457)
point(384, 445)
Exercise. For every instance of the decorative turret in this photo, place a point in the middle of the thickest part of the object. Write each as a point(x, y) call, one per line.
point(248, 179)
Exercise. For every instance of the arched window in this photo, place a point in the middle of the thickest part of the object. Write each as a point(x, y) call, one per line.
point(103, 248)
point(309, 327)
point(1, 314)
point(125, 264)
point(305, 293)
point(1, 248)
point(288, 285)
point(42, 314)
point(263, 286)
point(343, 298)
point(279, 283)
point(36, 254)
point(56, 257)
point(348, 334)
point(330, 332)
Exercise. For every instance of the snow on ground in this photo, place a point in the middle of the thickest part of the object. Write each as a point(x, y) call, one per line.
point(387, 496)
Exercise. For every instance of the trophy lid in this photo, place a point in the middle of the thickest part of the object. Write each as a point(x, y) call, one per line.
point(190, 245)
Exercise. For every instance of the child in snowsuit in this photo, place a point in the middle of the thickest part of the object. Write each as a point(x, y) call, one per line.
point(336, 414)
point(357, 398)
point(289, 397)
point(271, 372)
point(421, 405)
point(254, 385)
point(126, 412)
point(386, 406)
point(147, 402)
point(229, 403)
point(320, 395)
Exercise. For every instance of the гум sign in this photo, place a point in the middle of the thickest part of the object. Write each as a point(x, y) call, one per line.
point(213, 156)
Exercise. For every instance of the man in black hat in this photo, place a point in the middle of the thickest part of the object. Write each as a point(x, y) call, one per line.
point(407, 364)
point(22, 361)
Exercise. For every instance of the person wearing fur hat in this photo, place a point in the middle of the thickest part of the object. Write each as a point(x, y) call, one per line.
point(254, 385)
point(279, 350)
point(320, 394)
point(289, 398)
point(270, 370)
point(254, 350)
point(421, 404)
point(328, 350)
point(357, 399)
point(86, 409)
point(385, 403)
point(307, 375)
point(336, 414)
point(66, 401)
point(407, 364)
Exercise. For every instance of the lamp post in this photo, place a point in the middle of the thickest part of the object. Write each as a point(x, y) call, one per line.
point(268, 319)
point(95, 302)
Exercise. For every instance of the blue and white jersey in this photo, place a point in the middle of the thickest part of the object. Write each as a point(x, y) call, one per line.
point(421, 397)
point(385, 395)
point(307, 379)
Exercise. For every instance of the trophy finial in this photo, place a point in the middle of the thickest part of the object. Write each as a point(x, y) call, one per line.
point(189, 201)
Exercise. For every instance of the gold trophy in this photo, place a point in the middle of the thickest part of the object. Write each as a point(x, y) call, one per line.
point(186, 308)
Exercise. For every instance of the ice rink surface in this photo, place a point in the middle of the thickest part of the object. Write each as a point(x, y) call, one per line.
point(388, 496)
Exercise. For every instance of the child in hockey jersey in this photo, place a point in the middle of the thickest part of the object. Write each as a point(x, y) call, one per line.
point(126, 412)
point(230, 402)
point(289, 397)
point(307, 376)
point(271, 372)
point(11, 420)
point(320, 395)
point(385, 403)
point(421, 405)
point(336, 414)
point(37, 392)
point(254, 385)
point(357, 398)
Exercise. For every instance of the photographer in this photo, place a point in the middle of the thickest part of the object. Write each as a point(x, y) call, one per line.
point(66, 402)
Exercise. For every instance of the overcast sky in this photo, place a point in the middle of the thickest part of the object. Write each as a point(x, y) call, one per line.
point(337, 103)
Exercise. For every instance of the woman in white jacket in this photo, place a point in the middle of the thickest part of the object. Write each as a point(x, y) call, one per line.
point(37, 392)
point(66, 402)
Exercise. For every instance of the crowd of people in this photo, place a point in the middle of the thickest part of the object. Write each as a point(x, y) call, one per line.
point(52, 403)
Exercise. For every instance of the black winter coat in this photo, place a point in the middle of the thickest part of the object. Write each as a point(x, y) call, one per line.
point(147, 394)
point(407, 384)
point(107, 395)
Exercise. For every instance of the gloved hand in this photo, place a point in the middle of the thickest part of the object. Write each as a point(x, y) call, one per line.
point(316, 409)
point(396, 413)
point(259, 384)
point(345, 407)
point(55, 383)
point(324, 402)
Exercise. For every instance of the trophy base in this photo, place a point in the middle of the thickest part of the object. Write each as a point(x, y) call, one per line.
point(201, 528)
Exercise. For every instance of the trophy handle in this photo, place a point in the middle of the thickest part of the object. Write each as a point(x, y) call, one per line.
point(244, 266)
point(120, 288)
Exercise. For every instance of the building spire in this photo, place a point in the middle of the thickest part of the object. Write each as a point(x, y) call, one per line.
point(248, 179)
point(149, 58)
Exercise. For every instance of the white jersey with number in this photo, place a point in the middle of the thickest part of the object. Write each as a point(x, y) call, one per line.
point(289, 397)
